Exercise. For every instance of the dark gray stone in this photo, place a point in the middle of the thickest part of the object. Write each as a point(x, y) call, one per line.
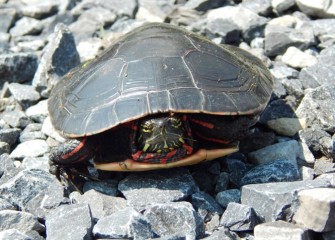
point(275, 171)
point(236, 170)
point(205, 205)
point(26, 26)
point(4, 148)
point(14, 234)
point(58, 58)
point(204, 180)
point(74, 220)
point(7, 18)
point(17, 67)
point(277, 109)
point(318, 108)
point(157, 187)
point(279, 38)
point(313, 137)
point(21, 221)
point(276, 201)
point(281, 6)
point(25, 95)
point(238, 217)
point(256, 140)
point(230, 195)
point(204, 5)
point(10, 135)
point(126, 223)
point(35, 191)
point(222, 182)
point(173, 218)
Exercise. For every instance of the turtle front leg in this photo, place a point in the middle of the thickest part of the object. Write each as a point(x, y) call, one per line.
point(72, 151)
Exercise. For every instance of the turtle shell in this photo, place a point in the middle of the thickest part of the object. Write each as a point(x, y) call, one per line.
point(158, 68)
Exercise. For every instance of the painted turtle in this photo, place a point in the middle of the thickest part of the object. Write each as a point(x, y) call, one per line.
point(159, 97)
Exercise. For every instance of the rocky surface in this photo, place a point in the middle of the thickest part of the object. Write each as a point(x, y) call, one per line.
point(280, 183)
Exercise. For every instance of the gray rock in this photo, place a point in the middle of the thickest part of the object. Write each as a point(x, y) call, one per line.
point(157, 187)
point(205, 205)
point(154, 11)
point(317, 8)
point(7, 167)
point(4, 148)
point(238, 217)
point(50, 131)
point(323, 29)
point(204, 5)
point(261, 7)
point(16, 118)
point(222, 182)
point(293, 87)
point(328, 235)
point(224, 28)
point(35, 191)
point(222, 234)
point(17, 67)
point(251, 25)
point(282, 230)
point(315, 211)
point(36, 163)
point(313, 137)
point(279, 38)
point(38, 112)
point(296, 58)
point(22, 221)
point(58, 58)
point(26, 26)
point(173, 218)
point(277, 109)
point(75, 221)
point(279, 6)
point(5, 205)
point(14, 234)
point(108, 187)
point(39, 10)
point(126, 223)
point(31, 132)
point(32, 148)
point(329, 177)
point(7, 16)
point(324, 165)
point(318, 108)
point(83, 29)
point(10, 135)
point(321, 73)
point(230, 195)
point(276, 201)
point(285, 150)
point(275, 171)
point(25, 95)
point(286, 126)
point(236, 170)
point(101, 205)
point(284, 72)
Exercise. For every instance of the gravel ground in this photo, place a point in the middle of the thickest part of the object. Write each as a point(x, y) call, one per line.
point(280, 184)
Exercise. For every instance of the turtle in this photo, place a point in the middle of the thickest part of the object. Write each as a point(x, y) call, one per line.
point(159, 97)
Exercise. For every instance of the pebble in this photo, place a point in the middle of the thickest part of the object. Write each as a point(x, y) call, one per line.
point(286, 126)
point(315, 211)
point(282, 230)
point(25, 95)
point(32, 148)
point(261, 198)
point(10, 135)
point(238, 217)
point(126, 223)
point(157, 187)
point(26, 26)
point(280, 170)
point(75, 221)
point(296, 58)
point(175, 218)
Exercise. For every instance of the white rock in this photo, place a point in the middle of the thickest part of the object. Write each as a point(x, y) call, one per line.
point(296, 58)
point(32, 148)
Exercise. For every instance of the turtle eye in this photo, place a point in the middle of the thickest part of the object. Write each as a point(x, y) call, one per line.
point(146, 127)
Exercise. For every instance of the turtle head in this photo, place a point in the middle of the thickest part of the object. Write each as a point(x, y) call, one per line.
point(161, 134)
